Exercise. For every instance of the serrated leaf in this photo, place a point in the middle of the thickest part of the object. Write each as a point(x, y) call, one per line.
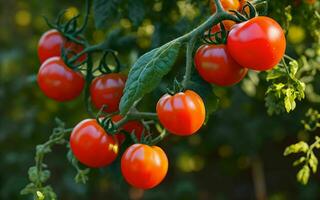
point(296, 148)
point(104, 10)
point(147, 72)
point(303, 174)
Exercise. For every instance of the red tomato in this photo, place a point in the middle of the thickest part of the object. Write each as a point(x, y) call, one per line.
point(181, 114)
point(51, 43)
point(58, 81)
point(257, 44)
point(226, 4)
point(144, 166)
point(129, 127)
point(215, 65)
point(91, 145)
point(107, 90)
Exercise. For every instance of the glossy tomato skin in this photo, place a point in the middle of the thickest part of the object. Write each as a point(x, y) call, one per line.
point(129, 127)
point(107, 90)
point(144, 166)
point(59, 82)
point(181, 114)
point(51, 43)
point(91, 145)
point(215, 65)
point(257, 44)
point(226, 4)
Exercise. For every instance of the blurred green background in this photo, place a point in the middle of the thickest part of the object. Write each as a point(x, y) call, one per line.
point(237, 155)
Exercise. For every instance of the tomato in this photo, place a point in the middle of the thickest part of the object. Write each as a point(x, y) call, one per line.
point(215, 65)
point(242, 4)
point(226, 4)
point(51, 43)
point(59, 82)
point(257, 44)
point(107, 90)
point(181, 114)
point(91, 145)
point(129, 127)
point(144, 166)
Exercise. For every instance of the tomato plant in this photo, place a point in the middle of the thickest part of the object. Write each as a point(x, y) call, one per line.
point(59, 82)
point(184, 106)
point(215, 65)
point(257, 44)
point(144, 166)
point(226, 4)
point(91, 145)
point(106, 90)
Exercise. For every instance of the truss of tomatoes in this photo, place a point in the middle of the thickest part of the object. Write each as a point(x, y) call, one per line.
point(257, 44)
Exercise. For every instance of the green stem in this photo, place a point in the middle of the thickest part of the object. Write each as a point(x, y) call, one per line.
point(160, 137)
point(136, 116)
point(86, 18)
point(189, 61)
point(89, 77)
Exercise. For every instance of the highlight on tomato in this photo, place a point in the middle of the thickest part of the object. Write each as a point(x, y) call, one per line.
point(181, 114)
point(107, 90)
point(144, 166)
point(91, 145)
point(257, 44)
point(130, 127)
point(215, 65)
point(51, 44)
point(58, 81)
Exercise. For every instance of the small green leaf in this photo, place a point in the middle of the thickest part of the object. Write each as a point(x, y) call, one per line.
point(296, 148)
point(104, 10)
point(147, 72)
point(303, 175)
point(313, 162)
point(35, 175)
point(299, 161)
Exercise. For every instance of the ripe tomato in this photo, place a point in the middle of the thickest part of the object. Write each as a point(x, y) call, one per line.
point(226, 4)
point(107, 90)
point(51, 43)
point(91, 145)
point(144, 166)
point(129, 127)
point(257, 44)
point(58, 81)
point(181, 114)
point(215, 65)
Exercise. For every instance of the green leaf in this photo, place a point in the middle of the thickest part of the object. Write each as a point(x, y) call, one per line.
point(296, 148)
point(35, 175)
point(313, 162)
point(299, 161)
point(289, 100)
point(147, 72)
point(104, 10)
point(303, 175)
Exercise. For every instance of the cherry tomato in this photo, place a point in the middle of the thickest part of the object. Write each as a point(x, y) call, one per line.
point(226, 4)
point(215, 65)
point(181, 114)
point(59, 82)
point(129, 127)
point(257, 44)
point(91, 145)
point(144, 166)
point(107, 90)
point(51, 43)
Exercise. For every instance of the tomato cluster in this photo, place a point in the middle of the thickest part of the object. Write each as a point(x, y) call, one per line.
point(257, 44)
